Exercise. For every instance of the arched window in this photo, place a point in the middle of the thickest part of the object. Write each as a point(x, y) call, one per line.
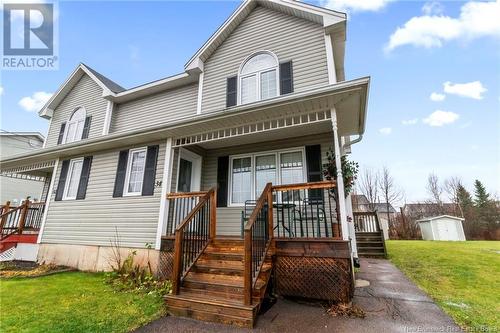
point(74, 127)
point(259, 77)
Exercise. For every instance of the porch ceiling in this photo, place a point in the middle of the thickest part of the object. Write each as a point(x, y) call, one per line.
point(348, 98)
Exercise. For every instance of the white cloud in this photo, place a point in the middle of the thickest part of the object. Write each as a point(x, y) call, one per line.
point(440, 118)
point(473, 89)
point(477, 19)
point(437, 97)
point(355, 5)
point(36, 101)
point(385, 130)
point(432, 8)
point(1, 90)
point(410, 121)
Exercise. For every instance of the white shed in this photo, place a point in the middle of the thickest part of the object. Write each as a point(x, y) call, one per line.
point(442, 228)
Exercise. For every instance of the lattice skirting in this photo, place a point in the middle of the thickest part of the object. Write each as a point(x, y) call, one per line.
point(166, 265)
point(327, 279)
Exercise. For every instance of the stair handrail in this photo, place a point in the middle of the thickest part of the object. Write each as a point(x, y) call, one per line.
point(188, 247)
point(259, 225)
point(18, 214)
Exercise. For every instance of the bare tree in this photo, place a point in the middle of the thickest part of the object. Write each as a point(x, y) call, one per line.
point(434, 189)
point(368, 186)
point(451, 187)
point(390, 192)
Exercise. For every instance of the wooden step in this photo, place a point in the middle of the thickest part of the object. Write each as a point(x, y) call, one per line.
point(214, 254)
point(213, 310)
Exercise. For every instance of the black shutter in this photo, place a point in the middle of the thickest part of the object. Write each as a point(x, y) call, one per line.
point(286, 78)
point(121, 171)
point(222, 183)
point(61, 133)
point(231, 91)
point(62, 180)
point(86, 127)
point(84, 178)
point(148, 184)
point(314, 170)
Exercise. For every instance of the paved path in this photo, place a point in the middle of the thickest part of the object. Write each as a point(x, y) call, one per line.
point(392, 304)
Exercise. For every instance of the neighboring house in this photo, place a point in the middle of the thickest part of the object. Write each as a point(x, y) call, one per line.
point(262, 101)
point(386, 213)
point(442, 228)
point(416, 211)
point(16, 188)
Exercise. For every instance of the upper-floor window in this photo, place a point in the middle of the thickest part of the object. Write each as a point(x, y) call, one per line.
point(135, 171)
point(259, 77)
point(75, 125)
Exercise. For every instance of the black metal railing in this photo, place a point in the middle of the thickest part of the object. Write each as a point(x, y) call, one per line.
point(366, 222)
point(192, 236)
point(306, 210)
point(257, 239)
point(179, 206)
point(34, 216)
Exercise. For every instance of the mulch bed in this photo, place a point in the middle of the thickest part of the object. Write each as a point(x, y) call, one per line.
point(28, 269)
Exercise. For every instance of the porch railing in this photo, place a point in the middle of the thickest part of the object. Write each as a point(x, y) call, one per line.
point(306, 210)
point(366, 222)
point(26, 217)
point(192, 236)
point(179, 206)
point(257, 240)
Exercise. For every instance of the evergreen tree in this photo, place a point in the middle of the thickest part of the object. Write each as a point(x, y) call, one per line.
point(482, 198)
point(467, 209)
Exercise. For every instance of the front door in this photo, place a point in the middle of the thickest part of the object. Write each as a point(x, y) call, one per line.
point(185, 175)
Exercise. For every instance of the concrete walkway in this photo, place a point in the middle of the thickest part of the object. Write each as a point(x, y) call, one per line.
point(392, 304)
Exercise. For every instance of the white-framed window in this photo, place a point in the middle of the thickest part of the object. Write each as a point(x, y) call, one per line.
point(258, 77)
point(73, 179)
point(134, 177)
point(74, 126)
point(249, 174)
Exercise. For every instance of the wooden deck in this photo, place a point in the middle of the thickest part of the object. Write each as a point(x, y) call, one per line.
point(225, 280)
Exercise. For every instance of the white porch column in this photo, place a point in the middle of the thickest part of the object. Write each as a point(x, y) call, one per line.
point(350, 225)
point(47, 202)
point(166, 184)
point(340, 178)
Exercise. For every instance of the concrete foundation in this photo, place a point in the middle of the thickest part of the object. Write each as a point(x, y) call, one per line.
point(94, 258)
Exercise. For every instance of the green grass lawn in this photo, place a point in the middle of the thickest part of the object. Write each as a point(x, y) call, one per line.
point(72, 302)
point(462, 277)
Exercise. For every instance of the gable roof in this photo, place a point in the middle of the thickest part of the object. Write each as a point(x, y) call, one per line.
point(106, 84)
point(440, 217)
point(331, 20)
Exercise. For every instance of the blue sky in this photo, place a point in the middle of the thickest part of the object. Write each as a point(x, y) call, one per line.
point(136, 42)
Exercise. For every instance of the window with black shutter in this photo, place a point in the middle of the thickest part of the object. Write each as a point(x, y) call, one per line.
point(222, 180)
point(286, 78)
point(231, 91)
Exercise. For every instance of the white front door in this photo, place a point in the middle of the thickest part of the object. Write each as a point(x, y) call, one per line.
point(188, 171)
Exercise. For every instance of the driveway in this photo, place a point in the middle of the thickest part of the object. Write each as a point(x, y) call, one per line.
point(392, 304)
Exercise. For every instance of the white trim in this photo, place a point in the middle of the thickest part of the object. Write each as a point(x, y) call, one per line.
point(257, 75)
point(441, 216)
point(330, 60)
point(47, 135)
point(165, 188)
point(47, 202)
point(340, 178)
point(277, 153)
point(200, 93)
point(196, 161)
point(68, 178)
point(126, 193)
point(108, 118)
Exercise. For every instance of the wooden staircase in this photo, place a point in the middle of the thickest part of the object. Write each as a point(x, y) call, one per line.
point(371, 244)
point(213, 289)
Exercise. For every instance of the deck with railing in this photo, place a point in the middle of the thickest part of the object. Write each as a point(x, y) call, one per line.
point(24, 218)
point(225, 279)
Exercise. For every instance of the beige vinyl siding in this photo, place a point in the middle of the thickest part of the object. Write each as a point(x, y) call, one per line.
point(98, 218)
point(229, 218)
point(289, 37)
point(85, 93)
point(155, 110)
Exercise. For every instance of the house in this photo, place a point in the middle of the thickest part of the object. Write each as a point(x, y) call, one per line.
point(442, 228)
point(420, 210)
point(14, 189)
point(213, 175)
